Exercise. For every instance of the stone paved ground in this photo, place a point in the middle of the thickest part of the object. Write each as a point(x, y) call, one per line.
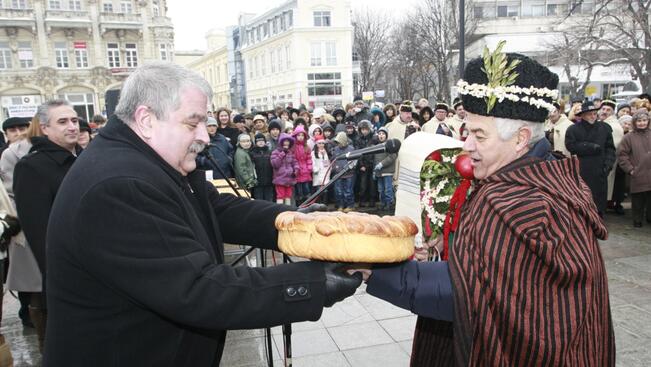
point(364, 331)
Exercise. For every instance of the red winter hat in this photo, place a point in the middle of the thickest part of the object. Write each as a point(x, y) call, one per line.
point(318, 138)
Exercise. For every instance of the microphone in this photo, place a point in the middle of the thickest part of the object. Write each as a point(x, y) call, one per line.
point(390, 146)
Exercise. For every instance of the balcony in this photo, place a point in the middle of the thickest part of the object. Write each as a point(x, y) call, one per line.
point(113, 21)
point(18, 18)
point(67, 19)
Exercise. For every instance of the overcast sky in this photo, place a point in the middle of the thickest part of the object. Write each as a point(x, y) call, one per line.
point(193, 18)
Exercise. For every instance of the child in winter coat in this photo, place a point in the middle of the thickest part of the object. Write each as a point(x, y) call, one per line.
point(244, 168)
point(344, 197)
point(275, 128)
point(366, 184)
point(304, 158)
point(383, 172)
point(320, 166)
point(314, 130)
point(261, 157)
point(285, 168)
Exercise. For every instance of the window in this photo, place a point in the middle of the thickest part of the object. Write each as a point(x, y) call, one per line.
point(54, 4)
point(288, 59)
point(283, 23)
point(257, 34)
point(113, 53)
point(324, 84)
point(322, 19)
point(74, 5)
point(249, 64)
point(126, 7)
point(315, 54)
point(279, 55)
point(508, 10)
point(81, 57)
point(107, 8)
point(263, 64)
point(290, 19)
point(557, 9)
point(131, 55)
point(265, 30)
point(163, 52)
point(272, 59)
point(25, 55)
point(331, 53)
point(61, 54)
point(487, 11)
point(5, 55)
point(19, 4)
point(257, 67)
point(276, 26)
point(587, 7)
point(155, 9)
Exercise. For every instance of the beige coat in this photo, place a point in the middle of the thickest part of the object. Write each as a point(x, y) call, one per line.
point(455, 124)
point(432, 125)
point(23, 274)
point(618, 135)
point(558, 130)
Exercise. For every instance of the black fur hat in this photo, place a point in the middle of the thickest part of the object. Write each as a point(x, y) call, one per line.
point(530, 74)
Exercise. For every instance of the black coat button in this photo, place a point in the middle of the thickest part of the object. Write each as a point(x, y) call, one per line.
point(291, 291)
point(302, 291)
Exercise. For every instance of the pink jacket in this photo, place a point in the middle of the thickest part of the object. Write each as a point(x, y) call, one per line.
point(303, 156)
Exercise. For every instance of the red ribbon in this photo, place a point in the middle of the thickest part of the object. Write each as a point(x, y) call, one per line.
point(450, 224)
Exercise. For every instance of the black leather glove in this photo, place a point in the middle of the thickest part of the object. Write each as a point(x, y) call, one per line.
point(315, 207)
point(13, 226)
point(339, 285)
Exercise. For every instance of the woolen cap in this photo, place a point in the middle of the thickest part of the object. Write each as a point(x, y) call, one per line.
point(15, 121)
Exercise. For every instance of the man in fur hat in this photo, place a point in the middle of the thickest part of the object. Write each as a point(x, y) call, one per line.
point(439, 124)
point(525, 284)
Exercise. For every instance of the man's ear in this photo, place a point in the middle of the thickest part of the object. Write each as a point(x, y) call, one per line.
point(142, 121)
point(524, 137)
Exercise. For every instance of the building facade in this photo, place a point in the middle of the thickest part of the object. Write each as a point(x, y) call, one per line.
point(76, 49)
point(531, 27)
point(297, 53)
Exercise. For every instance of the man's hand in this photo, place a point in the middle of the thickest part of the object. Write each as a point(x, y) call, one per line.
point(436, 245)
point(339, 285)
point(364, 269)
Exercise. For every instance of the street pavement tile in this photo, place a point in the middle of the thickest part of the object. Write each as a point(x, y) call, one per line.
point(306, 343)
point(300, 326)
point(380, 309)
point(244, 334)
point(335, 359)
point(406, 346)
point(631, 272)
point(359, 335)
point(244, 352)
point(634, 319)
point(388, 355)
point(401, 328)
point(349, 311)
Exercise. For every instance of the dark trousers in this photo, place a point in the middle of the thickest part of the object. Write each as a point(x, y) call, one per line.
point(367, 190)
point(619, 187)
point(344, 192)
point(264, 193)
point(641, 205)
point(302, 191)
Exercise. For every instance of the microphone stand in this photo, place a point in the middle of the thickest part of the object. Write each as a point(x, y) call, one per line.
point(262, 257)
point(351, 165)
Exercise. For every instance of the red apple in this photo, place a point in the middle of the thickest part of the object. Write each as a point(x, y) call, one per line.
point(463, 165)
point(435, 156)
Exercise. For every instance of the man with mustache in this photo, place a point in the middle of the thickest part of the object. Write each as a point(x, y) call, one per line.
point(37, 178)
point(136, 258)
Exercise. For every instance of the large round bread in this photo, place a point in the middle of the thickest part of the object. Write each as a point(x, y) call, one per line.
point(346, 237)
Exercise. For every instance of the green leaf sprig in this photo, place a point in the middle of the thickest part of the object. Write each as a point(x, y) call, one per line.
point(497, 71)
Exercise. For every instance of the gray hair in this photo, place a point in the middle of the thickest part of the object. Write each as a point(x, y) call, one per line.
point(158, 85)
point(638, 115)
point(506, 128)
point(43, 111)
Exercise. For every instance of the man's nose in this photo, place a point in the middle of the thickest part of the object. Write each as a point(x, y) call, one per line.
point(469, 144)
point(202, 133)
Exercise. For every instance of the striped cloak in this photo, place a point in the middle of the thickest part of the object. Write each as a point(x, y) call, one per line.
point(529, 280)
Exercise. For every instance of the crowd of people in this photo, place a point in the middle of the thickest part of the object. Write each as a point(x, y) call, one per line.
point(287, 154)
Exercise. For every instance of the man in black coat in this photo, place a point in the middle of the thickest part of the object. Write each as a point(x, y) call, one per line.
point(592, 141)
point(37, 178)
point(135, 246)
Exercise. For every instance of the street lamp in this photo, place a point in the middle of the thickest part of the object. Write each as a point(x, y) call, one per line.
point(462, 36)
